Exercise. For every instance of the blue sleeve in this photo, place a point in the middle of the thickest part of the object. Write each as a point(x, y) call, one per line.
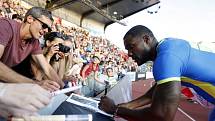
point(167, 67)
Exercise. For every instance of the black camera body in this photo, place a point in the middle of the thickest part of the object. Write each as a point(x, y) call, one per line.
point(63, 48)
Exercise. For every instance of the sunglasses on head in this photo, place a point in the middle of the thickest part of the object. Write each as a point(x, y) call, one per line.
point(44, 25)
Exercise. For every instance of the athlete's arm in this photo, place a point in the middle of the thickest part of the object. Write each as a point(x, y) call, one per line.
point(140, 101)
point(163, 108)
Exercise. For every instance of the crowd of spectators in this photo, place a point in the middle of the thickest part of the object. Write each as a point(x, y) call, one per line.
point(77, 57)
point(84, 50)
point(12, 9)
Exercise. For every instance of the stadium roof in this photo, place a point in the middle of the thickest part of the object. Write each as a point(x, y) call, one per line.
point(94, 14)
point(104, 12)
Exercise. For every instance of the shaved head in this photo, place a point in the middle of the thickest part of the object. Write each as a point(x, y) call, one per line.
point(137, 31)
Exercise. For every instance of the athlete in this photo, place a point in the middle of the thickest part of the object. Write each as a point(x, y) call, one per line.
point(176, 63)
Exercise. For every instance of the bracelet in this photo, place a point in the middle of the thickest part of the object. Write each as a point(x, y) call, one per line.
point(115, 113)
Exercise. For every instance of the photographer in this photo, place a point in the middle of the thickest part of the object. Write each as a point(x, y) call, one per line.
point(56, 53)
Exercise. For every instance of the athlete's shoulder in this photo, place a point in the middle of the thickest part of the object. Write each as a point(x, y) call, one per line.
point(173, 44)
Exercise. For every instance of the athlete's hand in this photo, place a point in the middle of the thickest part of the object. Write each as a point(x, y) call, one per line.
point(106, 104)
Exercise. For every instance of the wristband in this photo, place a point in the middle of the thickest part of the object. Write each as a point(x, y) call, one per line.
point(115, 113)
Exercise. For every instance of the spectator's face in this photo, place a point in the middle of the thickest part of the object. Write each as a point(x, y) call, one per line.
point(39, 26)
point(2, 14)
point(110, 63)
point(68, 44)
point(88, 54)
point(96, 60)
point(109, 72)
point(11, 5)
point(75, 55)
point(84, 43)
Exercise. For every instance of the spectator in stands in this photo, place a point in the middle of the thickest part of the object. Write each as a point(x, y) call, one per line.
point(2, 10)
point(89, 74)
point(87, 57)
point(56, 52)
point(110, 63)
point(51, 53)
point(75, 70)
point(18, 40)
point(176, 63)
point(9, 11)
point(68, 55)
point(111, 77)
point(2, 14)
point(17, 18)
point(71, 64)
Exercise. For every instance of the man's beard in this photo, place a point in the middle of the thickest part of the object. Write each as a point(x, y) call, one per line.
point(143, 58)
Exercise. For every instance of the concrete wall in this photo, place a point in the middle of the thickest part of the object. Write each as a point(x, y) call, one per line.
point(36, 2)
point(67, 15)
point(96, 27)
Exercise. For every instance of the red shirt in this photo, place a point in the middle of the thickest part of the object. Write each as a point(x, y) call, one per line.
point(15, 49)
point(90, 69)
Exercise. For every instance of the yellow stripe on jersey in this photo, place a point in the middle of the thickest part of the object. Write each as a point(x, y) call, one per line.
point(168, 80)
point(207, 87)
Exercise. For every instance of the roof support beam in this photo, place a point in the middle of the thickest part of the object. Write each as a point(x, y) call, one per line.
point(59, 4)
point(101, 7)
point(89, 4)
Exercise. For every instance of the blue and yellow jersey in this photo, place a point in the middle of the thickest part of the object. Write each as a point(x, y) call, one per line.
point(177, 61)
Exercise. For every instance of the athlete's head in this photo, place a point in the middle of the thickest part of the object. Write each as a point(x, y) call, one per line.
point(140, 42)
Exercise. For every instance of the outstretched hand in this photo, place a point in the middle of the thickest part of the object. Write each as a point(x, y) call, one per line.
point(22, 99)
point(49, 85)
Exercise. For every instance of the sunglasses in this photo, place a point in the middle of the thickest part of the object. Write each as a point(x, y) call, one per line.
point(44, 25)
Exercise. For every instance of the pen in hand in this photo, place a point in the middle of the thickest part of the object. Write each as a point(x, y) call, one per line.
point(106, 87)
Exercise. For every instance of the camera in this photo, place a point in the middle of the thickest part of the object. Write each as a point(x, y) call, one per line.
point(63, 48)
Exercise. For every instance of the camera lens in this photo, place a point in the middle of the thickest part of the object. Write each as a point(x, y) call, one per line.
point(63, 48)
